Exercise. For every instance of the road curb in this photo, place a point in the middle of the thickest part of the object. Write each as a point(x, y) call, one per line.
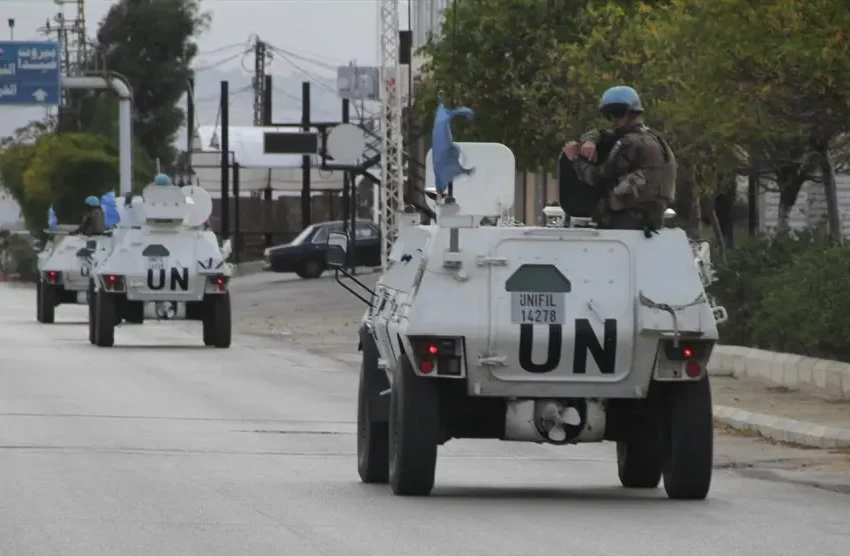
point(820, 377)
point(247, 268)
point(781, 429)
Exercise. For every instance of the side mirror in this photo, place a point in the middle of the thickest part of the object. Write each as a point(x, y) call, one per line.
point(337, 248)
point(226, 249)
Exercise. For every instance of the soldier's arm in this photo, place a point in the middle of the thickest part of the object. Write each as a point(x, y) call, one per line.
point(82, 227)
point(592, 136)
point(620, 162)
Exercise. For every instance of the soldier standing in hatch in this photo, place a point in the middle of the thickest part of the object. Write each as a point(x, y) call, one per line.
point(640, 170)
point(93, 221)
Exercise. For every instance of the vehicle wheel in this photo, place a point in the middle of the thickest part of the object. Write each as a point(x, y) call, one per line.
point(91, 303)
point(310, 270)
point(134, 311)
point(46, 300)
point(217, 322)
point(639, 462)
point(104, 321)
point(414, 432)
point(688, 441)
point(373, 428)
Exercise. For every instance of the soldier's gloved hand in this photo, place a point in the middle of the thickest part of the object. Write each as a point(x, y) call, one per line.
point(588, 151)
point(571, 149)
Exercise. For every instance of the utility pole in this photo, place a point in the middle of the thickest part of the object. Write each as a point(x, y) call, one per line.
point(259, 81)
point(73, 43)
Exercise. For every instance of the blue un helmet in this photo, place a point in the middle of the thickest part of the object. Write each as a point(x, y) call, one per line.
point(162, 179)
point(92, 201)
point(620, 100)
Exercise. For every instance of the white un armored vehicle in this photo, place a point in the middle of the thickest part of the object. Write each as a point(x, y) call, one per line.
point(482, 328)
point(168, 258)
point(64, 269)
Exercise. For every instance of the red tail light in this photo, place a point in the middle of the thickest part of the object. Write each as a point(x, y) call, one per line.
point(440, 356)
point(113, 283)
point(693, 369)
point(686, 350)
point(52, 277)
point(220, 282)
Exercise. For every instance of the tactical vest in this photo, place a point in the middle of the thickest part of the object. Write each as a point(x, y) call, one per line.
point(653, 181)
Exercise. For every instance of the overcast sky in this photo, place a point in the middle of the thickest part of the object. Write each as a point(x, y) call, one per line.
point(332, 32)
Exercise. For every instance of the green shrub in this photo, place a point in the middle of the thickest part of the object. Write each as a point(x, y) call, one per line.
point(743, 278)
point(805, 307)
point(19, 256)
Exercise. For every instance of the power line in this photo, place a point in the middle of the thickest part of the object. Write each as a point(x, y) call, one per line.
point(219, 63)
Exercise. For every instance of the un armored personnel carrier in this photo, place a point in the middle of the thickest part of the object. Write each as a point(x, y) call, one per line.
point(169, 258)
point(64, 269)
point(546, 334)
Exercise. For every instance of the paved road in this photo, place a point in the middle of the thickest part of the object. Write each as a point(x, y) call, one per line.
point(161, 447)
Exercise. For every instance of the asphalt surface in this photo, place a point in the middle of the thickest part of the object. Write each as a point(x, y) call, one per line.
point(160, 446)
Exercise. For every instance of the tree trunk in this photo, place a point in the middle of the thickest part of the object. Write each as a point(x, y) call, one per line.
point(830, 190)
point(753, 184)
point(687, 201)
point(724, 211)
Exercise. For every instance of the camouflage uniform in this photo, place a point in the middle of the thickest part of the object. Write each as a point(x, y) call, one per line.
point(639, 175)
point(93, 223)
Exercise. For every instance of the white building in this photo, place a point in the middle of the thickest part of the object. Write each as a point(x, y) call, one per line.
point(10, 212)
point(427, 15)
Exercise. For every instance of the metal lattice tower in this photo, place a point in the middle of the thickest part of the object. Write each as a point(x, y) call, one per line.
point(259, 81)
point(392, 177)
point(71, 35)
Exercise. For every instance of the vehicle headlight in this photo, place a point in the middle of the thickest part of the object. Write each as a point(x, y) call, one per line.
point(266, 252)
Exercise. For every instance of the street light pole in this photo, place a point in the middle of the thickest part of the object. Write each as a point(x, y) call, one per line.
point(12, 28)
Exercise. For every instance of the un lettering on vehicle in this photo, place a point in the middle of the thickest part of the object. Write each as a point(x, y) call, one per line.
point(174, 278)
point(545, 314)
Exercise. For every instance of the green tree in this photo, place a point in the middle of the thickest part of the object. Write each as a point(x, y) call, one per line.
point(502, 58)
point(780, 94)
point(61, 170)
point(152, 44)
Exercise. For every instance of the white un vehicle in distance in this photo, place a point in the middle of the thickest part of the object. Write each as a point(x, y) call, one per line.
point(554, 335)
point(64, 269)
point(168, 259)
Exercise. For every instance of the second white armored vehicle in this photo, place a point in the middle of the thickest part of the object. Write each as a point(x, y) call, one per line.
point(64, 269)
point(169, 258)
point(554, 335)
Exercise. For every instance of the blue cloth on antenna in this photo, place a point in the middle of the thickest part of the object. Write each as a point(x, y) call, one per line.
point(52, 221)
point(445, 154)
point(111, 217)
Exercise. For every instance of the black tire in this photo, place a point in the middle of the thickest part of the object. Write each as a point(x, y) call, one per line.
point(217, 321)
point(195, 310)
point(104, 321)
point(414, 432)
point(46, 303)
point(134, 311)
point(310, 270)
point(91, 303)
point(373, 427)
point(639, 462)
point(688, 441)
